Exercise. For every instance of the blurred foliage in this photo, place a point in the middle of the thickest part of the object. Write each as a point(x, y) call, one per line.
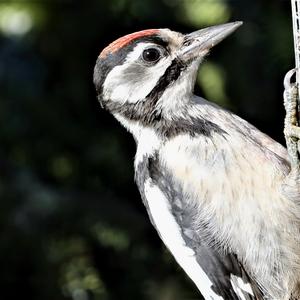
point(72, 222)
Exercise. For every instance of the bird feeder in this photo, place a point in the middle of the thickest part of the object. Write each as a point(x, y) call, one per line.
point(296, 33)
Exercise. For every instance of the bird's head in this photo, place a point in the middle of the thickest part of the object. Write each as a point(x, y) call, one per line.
point(150, 74)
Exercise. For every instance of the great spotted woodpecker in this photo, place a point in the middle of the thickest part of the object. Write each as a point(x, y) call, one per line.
point(223, 196)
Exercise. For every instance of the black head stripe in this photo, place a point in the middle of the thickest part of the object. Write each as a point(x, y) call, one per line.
point(148, 114)
point(146, 110)
point(171, 74)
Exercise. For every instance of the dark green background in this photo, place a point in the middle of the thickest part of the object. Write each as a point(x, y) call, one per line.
point(72, 225)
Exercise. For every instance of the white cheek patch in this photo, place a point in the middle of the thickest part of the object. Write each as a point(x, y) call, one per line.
point(133, 81)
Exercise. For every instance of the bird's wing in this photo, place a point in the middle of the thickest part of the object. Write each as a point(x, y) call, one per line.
point(262, 138)
point(225, 119)
point(218, 276)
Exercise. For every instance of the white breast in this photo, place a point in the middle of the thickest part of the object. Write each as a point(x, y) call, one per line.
point(234, 186)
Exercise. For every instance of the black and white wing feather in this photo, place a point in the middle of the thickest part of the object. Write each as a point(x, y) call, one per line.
point(218, 276)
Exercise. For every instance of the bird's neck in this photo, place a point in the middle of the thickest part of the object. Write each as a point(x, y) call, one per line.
point(147, 139)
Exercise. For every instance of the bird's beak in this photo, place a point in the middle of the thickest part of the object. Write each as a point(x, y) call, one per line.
point(198, 43)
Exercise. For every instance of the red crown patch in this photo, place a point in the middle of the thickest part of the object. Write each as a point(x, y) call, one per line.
point(124, 40)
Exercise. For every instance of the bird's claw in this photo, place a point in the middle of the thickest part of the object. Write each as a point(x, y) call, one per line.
point(291, 128)
point(291, 185)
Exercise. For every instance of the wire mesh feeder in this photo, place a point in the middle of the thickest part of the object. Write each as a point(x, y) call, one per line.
point(296, 33)
point(291, 95)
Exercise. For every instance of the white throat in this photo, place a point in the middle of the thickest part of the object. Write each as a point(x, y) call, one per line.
point(146, 138)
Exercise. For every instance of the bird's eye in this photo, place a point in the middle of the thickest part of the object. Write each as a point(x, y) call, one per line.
point(151, 55)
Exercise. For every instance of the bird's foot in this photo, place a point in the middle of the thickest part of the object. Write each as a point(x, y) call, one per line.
point(291, 185)
point(291, 128)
